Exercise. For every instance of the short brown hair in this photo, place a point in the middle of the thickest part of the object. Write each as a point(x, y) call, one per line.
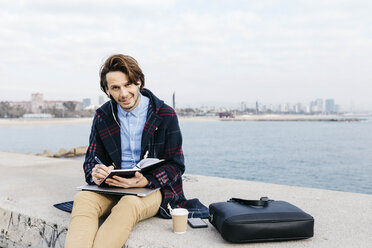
point(125, 64)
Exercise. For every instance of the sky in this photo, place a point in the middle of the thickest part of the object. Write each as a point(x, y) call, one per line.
point(219, 52)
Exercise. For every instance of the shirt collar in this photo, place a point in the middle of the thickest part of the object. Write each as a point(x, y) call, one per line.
point(137, 110)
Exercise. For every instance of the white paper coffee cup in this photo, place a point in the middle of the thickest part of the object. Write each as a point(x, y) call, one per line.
point(179, 219)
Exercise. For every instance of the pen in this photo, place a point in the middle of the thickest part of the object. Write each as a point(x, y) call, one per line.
point(100, 162)
point(113, 164)
point(97, 160)
point(146, 154)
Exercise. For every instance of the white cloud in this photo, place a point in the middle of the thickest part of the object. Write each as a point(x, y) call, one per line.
point(188, 46)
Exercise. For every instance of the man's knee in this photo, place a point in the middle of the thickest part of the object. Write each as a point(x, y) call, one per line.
point(88, 202)
point(129, 204)
point(138, 207)
point(130, 201)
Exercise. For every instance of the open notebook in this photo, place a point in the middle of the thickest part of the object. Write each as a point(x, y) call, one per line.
point(117, 191)
point(141, 192)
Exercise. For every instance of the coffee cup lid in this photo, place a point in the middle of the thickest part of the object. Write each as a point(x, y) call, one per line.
point(179, 211)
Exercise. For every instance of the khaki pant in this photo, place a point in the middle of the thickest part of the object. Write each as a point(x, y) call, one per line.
point(126, 211)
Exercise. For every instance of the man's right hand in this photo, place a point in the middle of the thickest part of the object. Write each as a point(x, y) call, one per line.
point(99, 172)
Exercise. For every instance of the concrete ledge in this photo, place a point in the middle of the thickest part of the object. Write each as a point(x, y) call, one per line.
point(30, 185)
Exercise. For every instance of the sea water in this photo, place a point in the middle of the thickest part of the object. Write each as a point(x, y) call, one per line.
point(329, 155)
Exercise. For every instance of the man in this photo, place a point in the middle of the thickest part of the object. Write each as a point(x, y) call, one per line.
point(133, 123)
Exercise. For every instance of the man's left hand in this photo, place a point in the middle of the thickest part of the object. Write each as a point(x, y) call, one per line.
point(138, 181)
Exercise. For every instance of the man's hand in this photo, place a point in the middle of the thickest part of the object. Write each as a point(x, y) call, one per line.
point(99, 172)
point(138, 181)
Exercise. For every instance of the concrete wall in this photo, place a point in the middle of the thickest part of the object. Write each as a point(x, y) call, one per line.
point(30, 185)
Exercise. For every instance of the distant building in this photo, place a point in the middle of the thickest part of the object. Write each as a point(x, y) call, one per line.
point(243, 106)
point(316, 106)
point(26, 105)
point(319, 105)
point(311, 106)
point(40, 108)
point(101, 100)
point(53, 104)
point(204, 109)
point(263, 108)
point(330, 106)
point(226, 115)
point(284, 108)
point(87, 102)
point(37, 103)
point(272, 108)
point(79, 106)
point(298, 108)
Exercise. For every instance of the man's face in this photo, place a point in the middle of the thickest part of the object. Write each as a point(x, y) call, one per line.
point(123, 92)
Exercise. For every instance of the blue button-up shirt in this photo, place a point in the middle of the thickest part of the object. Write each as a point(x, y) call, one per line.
point(131, 127)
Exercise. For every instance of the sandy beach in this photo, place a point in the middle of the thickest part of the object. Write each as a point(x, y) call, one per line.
point(58, 121)
point(198, 118)
point(273, 117)
point(49, 121)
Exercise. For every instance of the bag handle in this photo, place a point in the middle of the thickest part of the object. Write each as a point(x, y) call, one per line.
point(262, 202)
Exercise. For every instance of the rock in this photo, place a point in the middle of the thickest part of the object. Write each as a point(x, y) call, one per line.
point(70, 153)
point(74, 152)
point(81, 150)
point(48, 153)
point(61, 153)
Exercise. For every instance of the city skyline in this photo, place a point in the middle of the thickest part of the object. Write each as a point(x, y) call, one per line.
point(209, 54)
point(318, 105)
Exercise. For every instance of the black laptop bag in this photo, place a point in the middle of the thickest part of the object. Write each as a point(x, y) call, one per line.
point(241, 221)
